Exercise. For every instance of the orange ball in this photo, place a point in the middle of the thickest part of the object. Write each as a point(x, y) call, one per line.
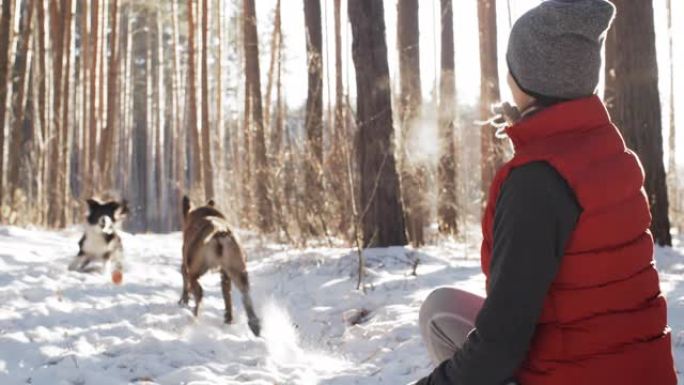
point(117, 277)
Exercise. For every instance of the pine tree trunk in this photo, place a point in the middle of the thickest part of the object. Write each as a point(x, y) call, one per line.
point(109, 129)
point(126, 105)
point(281, 109)
point(221, 151)
point(314, 110)
point(65, 150)
point(246, 159)
point(196, 184)
point(672, 178)
point(338, 170)
point(94, 57)
point(18, 156)
point(382, 216)
point(75, 111)
point(139, 172)
point(447, 205)
point(277, 134)
point(55, 192)
point(5, 21)
point(42, 109)
point(116, 174)
point(339, 86)
point(413, 174)
point(241, 133)
point(261, 177)
point(102, 88)
point(281, 204)
point(163, 139)
point(208, 175)
point(179, 139)
point(11, 85)
point(634, 102)
point(33, 138)
point(275, 50)
point(491, 147)
point(152, 197)
point(85, 67)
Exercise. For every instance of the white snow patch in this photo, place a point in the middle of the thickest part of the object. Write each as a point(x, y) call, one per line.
point(61, 327)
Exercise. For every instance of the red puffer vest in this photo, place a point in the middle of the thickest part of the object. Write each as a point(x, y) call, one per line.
point(604, 318)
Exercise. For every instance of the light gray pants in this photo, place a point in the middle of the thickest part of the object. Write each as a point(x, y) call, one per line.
point(446, 317)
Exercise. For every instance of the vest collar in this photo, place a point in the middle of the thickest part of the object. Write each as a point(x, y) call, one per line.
point(574, 115)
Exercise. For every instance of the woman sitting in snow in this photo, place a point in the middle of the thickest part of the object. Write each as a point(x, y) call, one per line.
point(572, 292)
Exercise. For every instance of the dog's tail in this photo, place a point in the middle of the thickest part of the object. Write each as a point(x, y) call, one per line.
point(186, 206)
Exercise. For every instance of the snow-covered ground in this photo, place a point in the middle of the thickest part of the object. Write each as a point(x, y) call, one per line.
point(60, 327)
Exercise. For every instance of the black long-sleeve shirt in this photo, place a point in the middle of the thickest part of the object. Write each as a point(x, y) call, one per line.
point(536, 212)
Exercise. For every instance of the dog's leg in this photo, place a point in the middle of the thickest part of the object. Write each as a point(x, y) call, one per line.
point(87, 268)
point(76, 262)
point(80, 260)
point(79, 263)
point(186, 286)
point(226, 289)
point(196, 292)
point(116, 259)
point(241, 280)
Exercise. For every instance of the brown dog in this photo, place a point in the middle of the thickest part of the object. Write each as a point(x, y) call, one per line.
point(209, 244)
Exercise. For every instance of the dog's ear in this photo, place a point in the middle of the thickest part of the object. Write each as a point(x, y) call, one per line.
point(185, 206)
point(120, 209)
point(123, 208)
point(92, 203)
point(211, 203)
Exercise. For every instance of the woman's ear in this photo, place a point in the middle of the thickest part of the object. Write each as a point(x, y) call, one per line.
point(521, 99)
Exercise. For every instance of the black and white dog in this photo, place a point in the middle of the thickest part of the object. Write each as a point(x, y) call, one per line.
point(101, 242)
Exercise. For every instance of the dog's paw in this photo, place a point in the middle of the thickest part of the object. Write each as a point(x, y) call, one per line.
point(255, 326)
point(183, 302)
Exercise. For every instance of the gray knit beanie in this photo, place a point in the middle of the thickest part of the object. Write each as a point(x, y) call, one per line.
point(554, 50)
